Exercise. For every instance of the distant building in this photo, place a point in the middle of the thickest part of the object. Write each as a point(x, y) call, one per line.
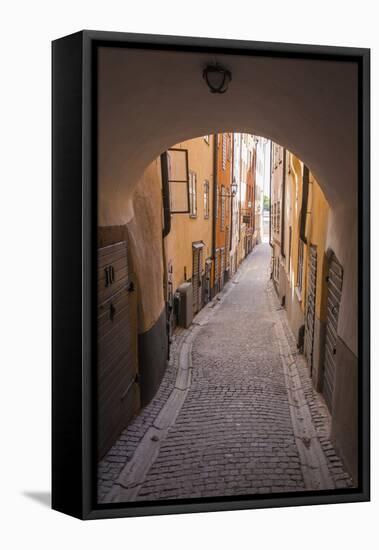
point(244, 179)
point(223, 208)
point(262, 178)
point(236, 203)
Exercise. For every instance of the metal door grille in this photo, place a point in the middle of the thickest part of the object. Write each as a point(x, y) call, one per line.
point(334, 281)
point(197, 256)
point(207, 281)
point(310, 306)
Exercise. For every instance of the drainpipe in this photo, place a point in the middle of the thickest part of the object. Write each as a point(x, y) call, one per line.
point(282, 251)
point(214, 202)
point(239, 187)
point(165, 231)
point(231, 199)
point(270, 216)
point(165, 196)
point(254, 188)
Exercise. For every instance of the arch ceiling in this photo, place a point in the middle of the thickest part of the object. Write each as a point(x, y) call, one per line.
point(149, 100)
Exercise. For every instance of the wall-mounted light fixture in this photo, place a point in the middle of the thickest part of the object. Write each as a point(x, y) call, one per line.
point(217, 78)
point(233, 189)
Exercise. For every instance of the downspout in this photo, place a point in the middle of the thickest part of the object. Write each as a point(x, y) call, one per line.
point(304, 204)
point(165, 231)
point(214, 203)
point(165, 196)
point(270, 210)
point(282, 225)
point(231, 199)
point(254, 202)
point(239, 187)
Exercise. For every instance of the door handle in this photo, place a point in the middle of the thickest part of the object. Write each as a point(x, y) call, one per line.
point(112, 312)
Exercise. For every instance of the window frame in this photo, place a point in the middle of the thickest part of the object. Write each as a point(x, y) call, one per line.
point(300, 267)
point(206, 199)
point(222, 204)
point(167, 181)
point(192, 191)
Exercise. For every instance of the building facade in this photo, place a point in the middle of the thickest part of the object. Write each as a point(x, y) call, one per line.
point(244, 161)
point(236, 203)
point(299, 222)
point(188, 246)
point(262, 177)
point(223, 208)
point(277, 236)
point(308, 278)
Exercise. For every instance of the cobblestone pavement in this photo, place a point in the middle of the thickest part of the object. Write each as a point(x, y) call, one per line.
point(246, 420)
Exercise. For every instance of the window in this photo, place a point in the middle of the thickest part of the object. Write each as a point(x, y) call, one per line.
point(175, 181)
point(206, 199)
point(192, 194)
point(222, 220)
point(300, 266)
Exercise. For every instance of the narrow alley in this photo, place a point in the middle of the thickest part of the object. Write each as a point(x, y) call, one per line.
point(236, 412)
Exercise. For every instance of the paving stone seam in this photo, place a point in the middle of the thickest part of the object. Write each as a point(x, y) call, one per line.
point(133, 474)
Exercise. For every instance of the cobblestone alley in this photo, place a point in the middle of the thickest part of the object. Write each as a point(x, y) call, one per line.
point(236, 413)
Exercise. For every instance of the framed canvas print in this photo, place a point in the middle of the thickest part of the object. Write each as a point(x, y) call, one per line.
point(210, 274)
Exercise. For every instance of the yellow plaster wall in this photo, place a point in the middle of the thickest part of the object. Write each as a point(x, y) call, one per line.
point(184, 229)
point(294, 180)
point(316, 234)
point(316, 231)
point(145, 241)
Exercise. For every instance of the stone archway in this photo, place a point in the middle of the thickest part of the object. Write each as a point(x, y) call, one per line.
point(151, 99)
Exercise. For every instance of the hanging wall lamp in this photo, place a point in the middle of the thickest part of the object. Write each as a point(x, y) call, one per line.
point(217, 78)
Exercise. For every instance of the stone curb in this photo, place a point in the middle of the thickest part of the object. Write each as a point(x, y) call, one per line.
point(312, 458)
point(133, 475)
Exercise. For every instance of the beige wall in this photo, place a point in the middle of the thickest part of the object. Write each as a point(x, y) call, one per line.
point(149, 100)
point(342, 238)
point(316, 234)
point(185, 229)
point(276, 214)
point(316, 231)
point(145, 262)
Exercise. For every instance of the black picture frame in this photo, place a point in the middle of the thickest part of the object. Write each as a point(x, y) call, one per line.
point(74, 206)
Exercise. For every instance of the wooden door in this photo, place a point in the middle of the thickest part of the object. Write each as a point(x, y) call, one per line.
point(117, 389)
point(310, 307)
point(334, 288)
